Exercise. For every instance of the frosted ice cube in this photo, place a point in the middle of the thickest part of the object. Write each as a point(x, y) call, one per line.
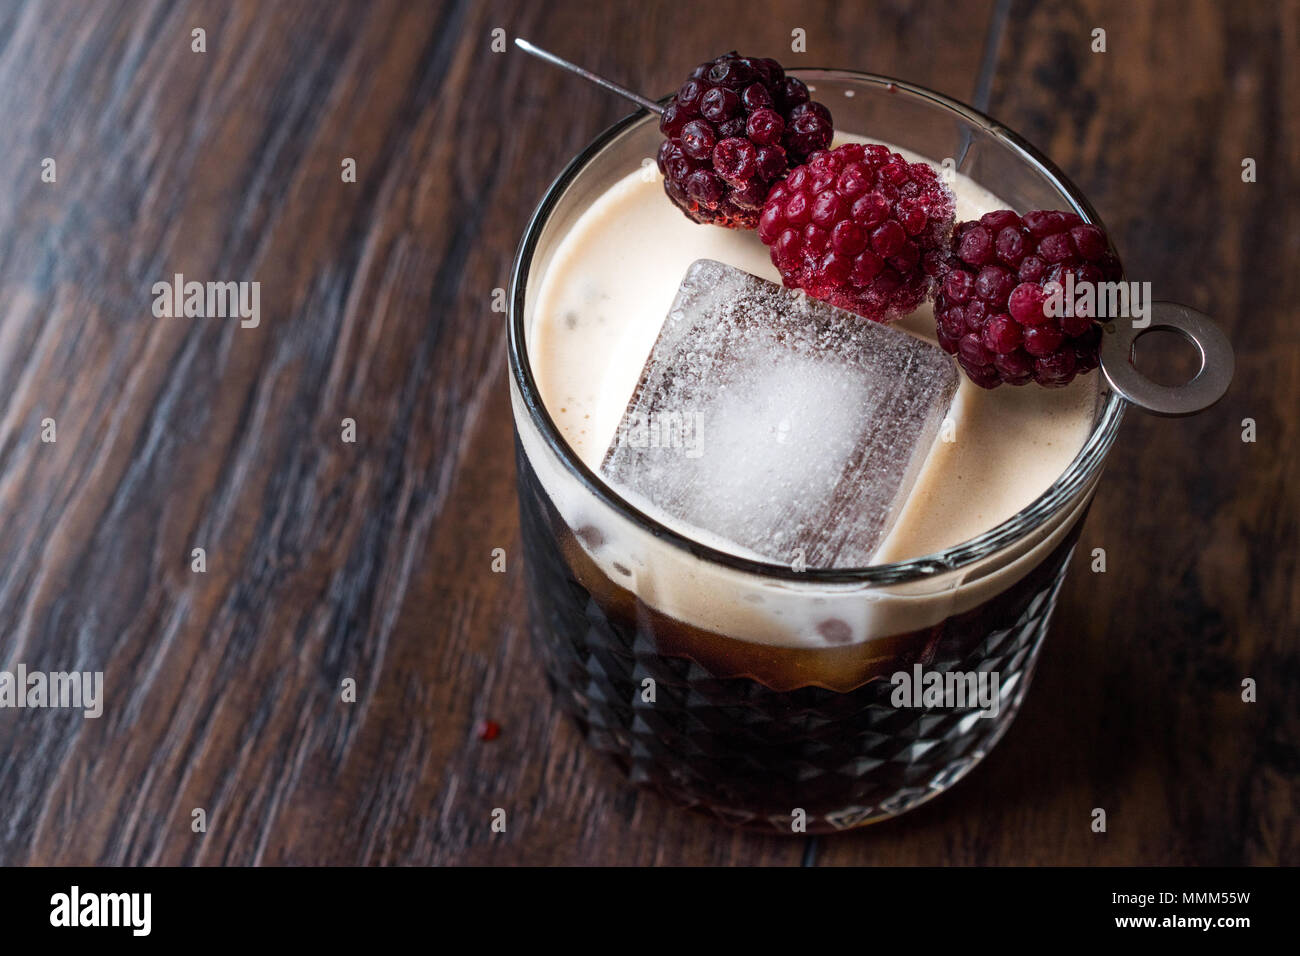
point(780, 423)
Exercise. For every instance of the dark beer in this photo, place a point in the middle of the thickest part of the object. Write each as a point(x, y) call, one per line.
point(751, 733)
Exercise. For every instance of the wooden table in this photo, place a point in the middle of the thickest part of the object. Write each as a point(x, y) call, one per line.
point(371, 560)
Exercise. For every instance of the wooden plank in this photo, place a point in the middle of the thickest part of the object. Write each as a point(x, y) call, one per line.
point(371, 560)
point(1137, 704)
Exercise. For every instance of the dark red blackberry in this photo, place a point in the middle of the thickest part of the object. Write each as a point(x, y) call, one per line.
point(860, 227)
point(990, 307)
point(731, 131)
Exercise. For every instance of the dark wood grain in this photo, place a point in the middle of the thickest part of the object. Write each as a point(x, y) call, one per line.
point(372, 560)
point(1136, 706)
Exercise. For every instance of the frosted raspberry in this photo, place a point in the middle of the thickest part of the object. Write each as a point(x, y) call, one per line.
point(860, 227)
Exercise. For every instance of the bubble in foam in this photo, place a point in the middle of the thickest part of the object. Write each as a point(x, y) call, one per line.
point(781, 424)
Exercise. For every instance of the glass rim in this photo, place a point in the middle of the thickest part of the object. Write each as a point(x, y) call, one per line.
point(1033, 516)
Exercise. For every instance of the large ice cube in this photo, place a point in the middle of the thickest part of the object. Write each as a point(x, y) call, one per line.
point(784, 425)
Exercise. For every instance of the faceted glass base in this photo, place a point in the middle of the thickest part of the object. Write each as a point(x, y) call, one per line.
point(752, 756)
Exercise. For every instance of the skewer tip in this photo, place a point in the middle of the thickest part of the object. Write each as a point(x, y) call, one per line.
point(641, 101)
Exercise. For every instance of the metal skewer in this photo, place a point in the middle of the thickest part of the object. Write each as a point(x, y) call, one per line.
point(636, 98)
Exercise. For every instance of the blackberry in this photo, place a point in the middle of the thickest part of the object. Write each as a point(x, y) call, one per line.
point(991, 305)
point(732, 130)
